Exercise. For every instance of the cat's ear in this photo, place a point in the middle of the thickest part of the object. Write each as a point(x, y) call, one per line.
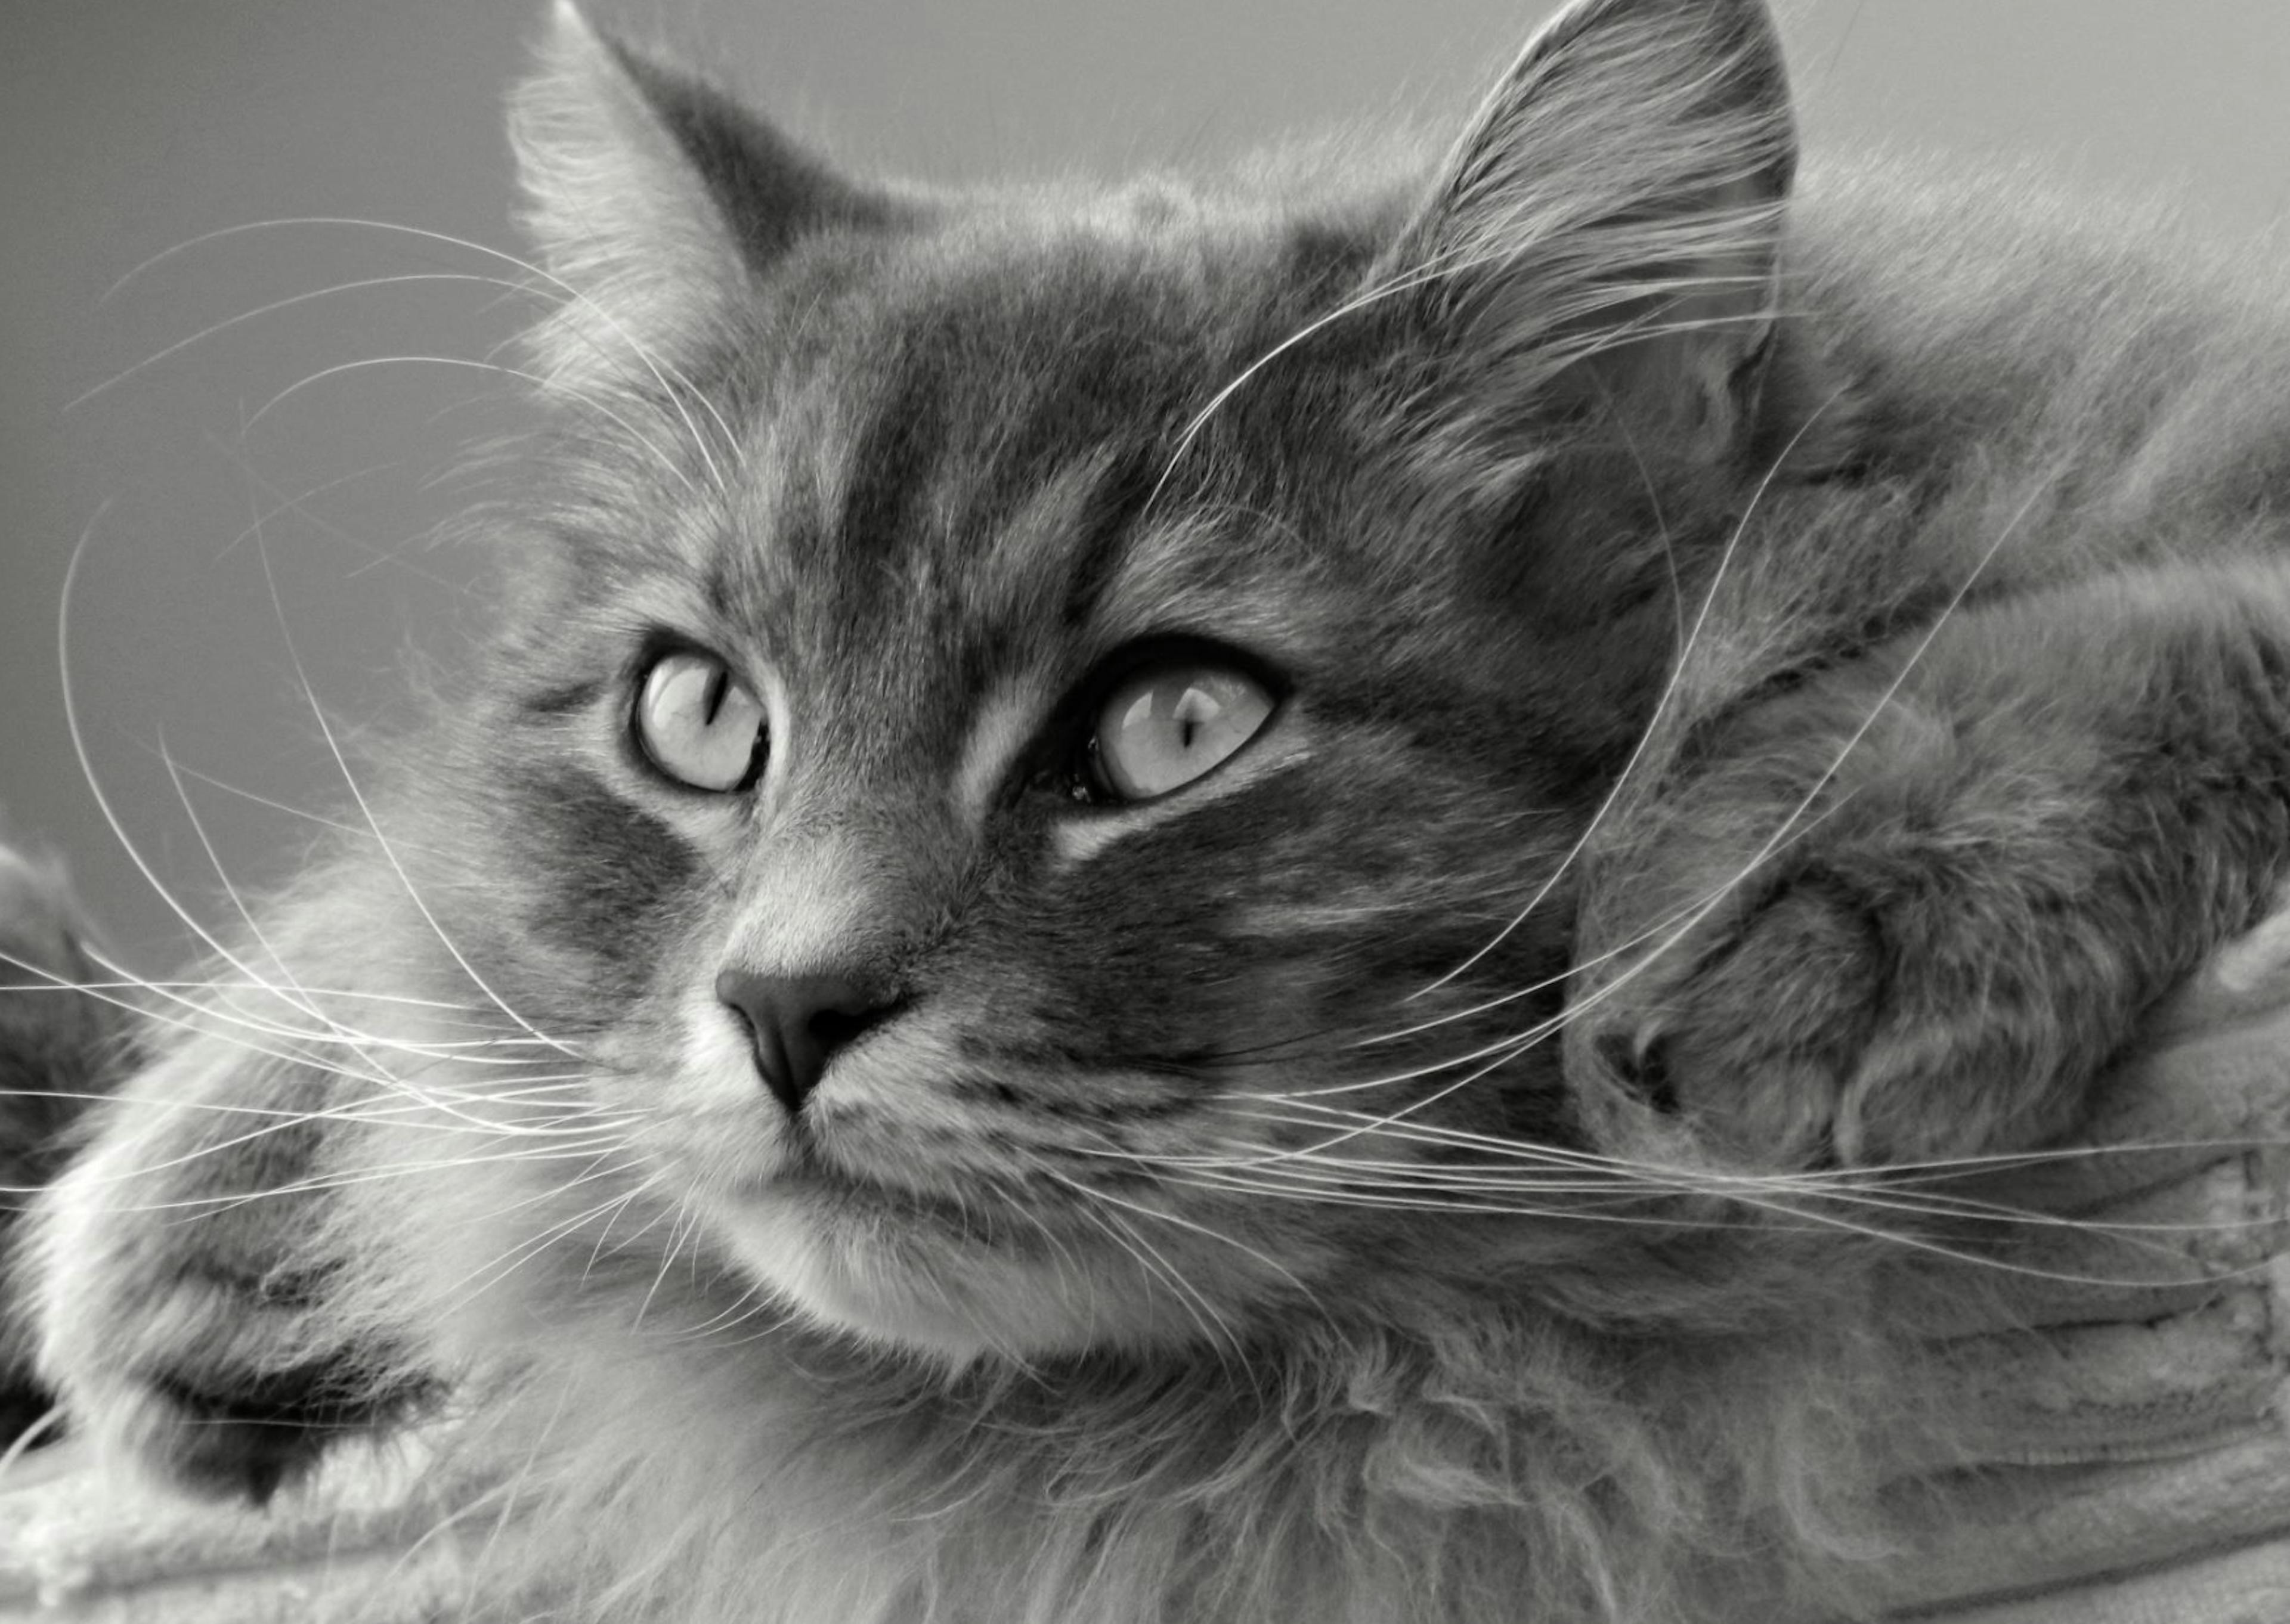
point(1607, 233)
point(654, 201)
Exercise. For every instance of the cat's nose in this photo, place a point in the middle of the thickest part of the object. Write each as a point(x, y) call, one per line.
point(797, 1022)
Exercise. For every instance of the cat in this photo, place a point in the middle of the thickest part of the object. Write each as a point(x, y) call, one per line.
point(1199, 900)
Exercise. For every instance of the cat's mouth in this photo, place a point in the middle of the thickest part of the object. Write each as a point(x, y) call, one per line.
point(833, 1195)
point(861, 1205)
point(926, 1270)
point(889, 1265)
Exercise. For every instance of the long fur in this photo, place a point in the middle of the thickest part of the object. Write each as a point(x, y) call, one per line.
point(1440, 1166)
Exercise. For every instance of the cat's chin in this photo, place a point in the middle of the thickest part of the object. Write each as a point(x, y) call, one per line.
point(897, 1271)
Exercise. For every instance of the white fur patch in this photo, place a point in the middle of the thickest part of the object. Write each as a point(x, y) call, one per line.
point(1004, 721)
point(717, 1070)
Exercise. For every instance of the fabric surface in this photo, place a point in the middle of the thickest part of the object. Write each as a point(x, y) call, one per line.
point(2129, 1462)
point(369, 1543)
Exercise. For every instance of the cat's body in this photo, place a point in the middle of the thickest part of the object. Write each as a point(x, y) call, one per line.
point(904, 1170)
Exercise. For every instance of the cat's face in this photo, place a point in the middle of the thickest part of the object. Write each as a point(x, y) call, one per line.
point(1047, 864)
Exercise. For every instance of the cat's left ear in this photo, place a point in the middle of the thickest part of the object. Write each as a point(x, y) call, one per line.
point(1606, 235)
point(656, 202)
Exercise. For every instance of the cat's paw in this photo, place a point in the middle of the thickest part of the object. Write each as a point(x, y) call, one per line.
point(1828, 1014)
point(1790, 1027)
point(1752, 1018)
point(189, 1311)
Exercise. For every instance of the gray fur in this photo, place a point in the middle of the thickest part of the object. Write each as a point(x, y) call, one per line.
point(1771, 687)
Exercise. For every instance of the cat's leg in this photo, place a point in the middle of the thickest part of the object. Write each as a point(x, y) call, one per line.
point(1911, 908)
point(64, 1037)
point(192, 1273)
point(193, 1267)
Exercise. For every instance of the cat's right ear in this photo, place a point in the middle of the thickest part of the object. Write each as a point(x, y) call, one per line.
point(655, 202)
point(1607, 232)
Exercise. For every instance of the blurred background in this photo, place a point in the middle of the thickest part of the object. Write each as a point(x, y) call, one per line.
point(275, 487)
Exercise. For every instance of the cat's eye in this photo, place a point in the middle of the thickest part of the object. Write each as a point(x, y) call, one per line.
point(1167, 724)
point(698, 724)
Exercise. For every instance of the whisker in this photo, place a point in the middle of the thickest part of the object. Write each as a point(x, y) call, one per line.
point(490, 1274)
point(293, 812)
point(550, 386)
point(207, 1204)
point(306, 1045)
point(95, 786)
point(204, 1025)
point(1170, 1218)
point(280, 502)
point(287, 303)
point(1802, 812)
point(1500, 1051)
point(49, 1421)
point(673, 383)
point(1148, 1256)
point(686, 1225)
point(1794, 1219)
point(1634, 1181)
point(349, 779)
point(1661, 704)
point(644, 1186)
point(302, 999)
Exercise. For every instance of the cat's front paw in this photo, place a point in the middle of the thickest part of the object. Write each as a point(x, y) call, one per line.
point(1872, 1002)
point(1795, 1028)
point(1758, 1019)
point(190, 1312)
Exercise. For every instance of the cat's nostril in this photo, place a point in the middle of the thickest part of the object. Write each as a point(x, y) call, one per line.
point(834, 1027)
point(796, 1024)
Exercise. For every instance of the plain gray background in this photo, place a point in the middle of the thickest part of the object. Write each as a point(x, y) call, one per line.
point(132, 127)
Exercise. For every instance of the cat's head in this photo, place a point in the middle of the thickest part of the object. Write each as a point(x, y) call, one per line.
point(1041, 733)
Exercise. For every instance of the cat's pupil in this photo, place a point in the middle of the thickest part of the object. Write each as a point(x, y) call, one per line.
point(1193, 713)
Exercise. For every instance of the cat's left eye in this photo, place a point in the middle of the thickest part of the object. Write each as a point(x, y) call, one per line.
point(1173, 721)
point(700, 724)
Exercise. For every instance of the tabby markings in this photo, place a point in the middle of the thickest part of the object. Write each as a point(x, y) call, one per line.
point(1005, 723)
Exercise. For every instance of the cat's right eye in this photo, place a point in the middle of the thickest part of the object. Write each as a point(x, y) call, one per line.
point(699, 724)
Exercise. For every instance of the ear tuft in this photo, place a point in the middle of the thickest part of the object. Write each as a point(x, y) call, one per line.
point(1610, 225)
